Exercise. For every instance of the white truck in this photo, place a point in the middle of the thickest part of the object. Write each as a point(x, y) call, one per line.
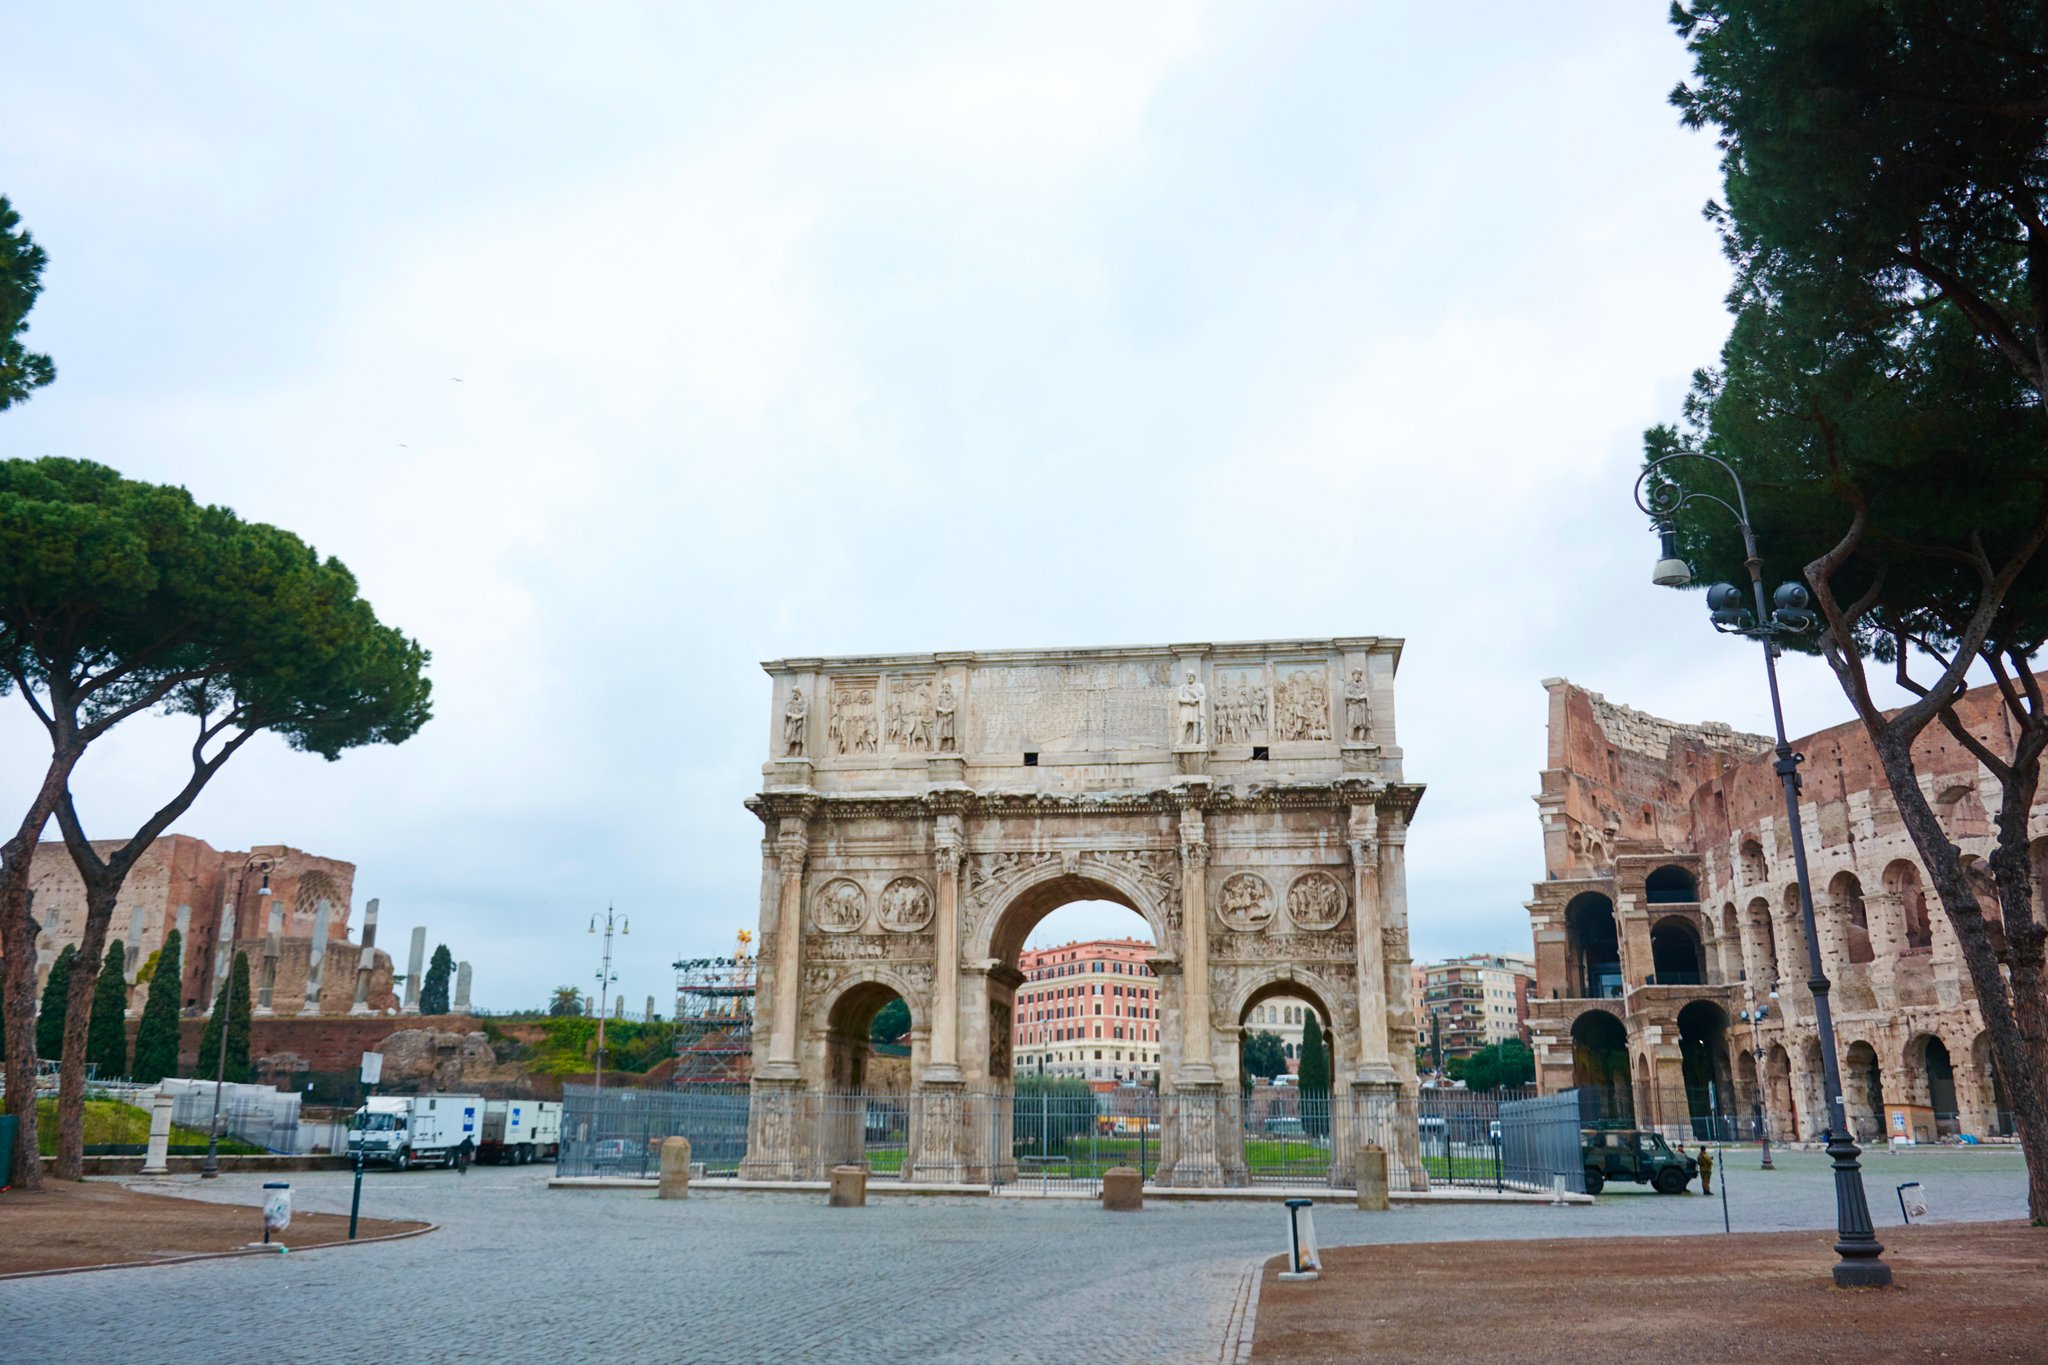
point(409, 1130)
point(517, 1132)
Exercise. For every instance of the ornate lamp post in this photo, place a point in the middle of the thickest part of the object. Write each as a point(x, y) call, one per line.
point(210, 1168)
point(605, 980)
point(1755, 1015)
point(1786, 615)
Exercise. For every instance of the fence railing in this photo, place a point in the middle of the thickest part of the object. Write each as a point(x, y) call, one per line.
point(1064, 1143)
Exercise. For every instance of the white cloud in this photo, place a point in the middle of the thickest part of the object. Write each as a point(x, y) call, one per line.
point(803, 331)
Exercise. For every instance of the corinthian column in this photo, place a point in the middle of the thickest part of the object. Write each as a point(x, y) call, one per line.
point(945, 1056)
point(1197, 1061)
point(792, 848)
point(1374, 1068)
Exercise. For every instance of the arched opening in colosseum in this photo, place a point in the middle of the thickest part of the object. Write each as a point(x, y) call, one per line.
point(1703, 1056)
point(1863, 1092)
point(1094, 1016)
point(1997, 1110)
point(1600, 1068)
point(1670, 886)
point(1754, 869)
point(858, 1056)
point(1794, 965)
point(1932, 1074)
point(1845, 899)
point(1675, 954)
point(1902, 879)
point(1782, 1106)
point(1764, 937)
point(1594, 946)
point(1749, 1100)
point(1977, 872)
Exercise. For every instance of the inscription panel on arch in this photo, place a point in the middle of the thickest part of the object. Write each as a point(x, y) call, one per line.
point(1065, 708)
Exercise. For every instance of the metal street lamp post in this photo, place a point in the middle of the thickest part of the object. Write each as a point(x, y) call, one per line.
point(1856, 1241)
point(1756, 1014)
point(605, 980)
point(210, 1169)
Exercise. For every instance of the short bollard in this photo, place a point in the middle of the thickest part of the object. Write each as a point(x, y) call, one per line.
point(158, 1160)
point(1303, 1261)
point(675, 1168)
point(1372, 1179)
point(1123, 1190)
point(849, 1187)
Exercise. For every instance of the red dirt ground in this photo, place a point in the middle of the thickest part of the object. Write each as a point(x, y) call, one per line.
point(1962, 1292)
point(68, 1224)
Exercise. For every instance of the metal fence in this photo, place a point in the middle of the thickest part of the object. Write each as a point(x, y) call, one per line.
point(270, 1127)
point(1063, 1143)
point(619, 1131)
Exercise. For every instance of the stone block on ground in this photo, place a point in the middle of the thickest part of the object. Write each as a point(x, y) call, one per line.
point(849, 1187)
point(1372, 1179)
point(1123, 1190)
point(675, 1168)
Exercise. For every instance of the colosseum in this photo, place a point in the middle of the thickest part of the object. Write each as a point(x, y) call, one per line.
point(1671, 959)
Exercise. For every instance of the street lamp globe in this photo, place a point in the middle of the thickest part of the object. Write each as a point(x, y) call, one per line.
point(1671, 571)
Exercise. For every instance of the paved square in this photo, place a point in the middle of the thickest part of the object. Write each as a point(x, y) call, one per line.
point(520, 1273)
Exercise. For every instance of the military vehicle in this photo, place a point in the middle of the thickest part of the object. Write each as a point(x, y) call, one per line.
point(1634, 1154)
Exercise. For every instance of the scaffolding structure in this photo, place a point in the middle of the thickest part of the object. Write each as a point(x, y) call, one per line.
point(715, 1018)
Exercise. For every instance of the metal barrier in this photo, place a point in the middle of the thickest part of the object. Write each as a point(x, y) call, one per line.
point(1064, 1142)
point(619, 1131)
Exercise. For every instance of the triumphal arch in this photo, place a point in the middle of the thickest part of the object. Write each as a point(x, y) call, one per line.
point(924, 811)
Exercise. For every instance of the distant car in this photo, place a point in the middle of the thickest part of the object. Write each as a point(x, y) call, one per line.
point(610, 1152)
point(1284, 1128)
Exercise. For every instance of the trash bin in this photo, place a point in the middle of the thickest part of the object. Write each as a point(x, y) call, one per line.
point(277, 1208)
point(6, 1150)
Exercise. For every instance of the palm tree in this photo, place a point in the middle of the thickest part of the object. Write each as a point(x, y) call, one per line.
point(568, 1000)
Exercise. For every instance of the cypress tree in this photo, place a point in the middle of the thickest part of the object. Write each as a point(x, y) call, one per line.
point(233, 1003)
point(1314, 1079)
point(156, 1038)
point(106, 1032)
point(56, 1001)
point(434, 990)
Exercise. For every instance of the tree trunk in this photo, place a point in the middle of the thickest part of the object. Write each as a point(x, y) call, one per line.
point(18, 960)
point(100, 895)
point(18, 957)
point(2022, 1062)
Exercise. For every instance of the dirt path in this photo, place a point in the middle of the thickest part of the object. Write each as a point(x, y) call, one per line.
point(98, 1223)
point(1969, 1292)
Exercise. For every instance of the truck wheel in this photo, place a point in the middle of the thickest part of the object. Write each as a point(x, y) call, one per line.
point(1670, 1180)
point(402, 1162)
point(526, 1154)
point(448, 1160)
point(1595, 1182)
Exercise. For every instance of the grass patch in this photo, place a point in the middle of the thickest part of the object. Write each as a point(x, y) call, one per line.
point(110, 1122)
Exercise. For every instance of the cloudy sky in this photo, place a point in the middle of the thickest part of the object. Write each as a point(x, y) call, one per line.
point(617, 348)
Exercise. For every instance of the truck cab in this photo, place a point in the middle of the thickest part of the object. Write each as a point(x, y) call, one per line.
point(405, 1130)
point(1635, 1154)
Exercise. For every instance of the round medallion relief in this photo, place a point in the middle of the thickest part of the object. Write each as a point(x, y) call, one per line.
point(906, 905)
point(1246, 902)
point(840, 906)
point(1315, 901)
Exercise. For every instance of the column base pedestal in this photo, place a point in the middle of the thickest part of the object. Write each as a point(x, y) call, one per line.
point(1201, 1137)
point(775, 1130)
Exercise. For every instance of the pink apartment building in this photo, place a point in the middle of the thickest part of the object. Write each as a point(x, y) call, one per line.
point(1089, 1010)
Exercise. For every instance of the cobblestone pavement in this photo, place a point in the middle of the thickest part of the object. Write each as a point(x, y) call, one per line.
point(521, 1273)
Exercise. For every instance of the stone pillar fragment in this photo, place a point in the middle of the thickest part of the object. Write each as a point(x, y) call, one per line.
point(461, 1005)
point(158, 1160)
point(317, 957)
point(366, 960)
point(224, 947)
point(416, 962)
point(945, 1057)
point(1374, 1067)
point(273, 942)
point(132, 949)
